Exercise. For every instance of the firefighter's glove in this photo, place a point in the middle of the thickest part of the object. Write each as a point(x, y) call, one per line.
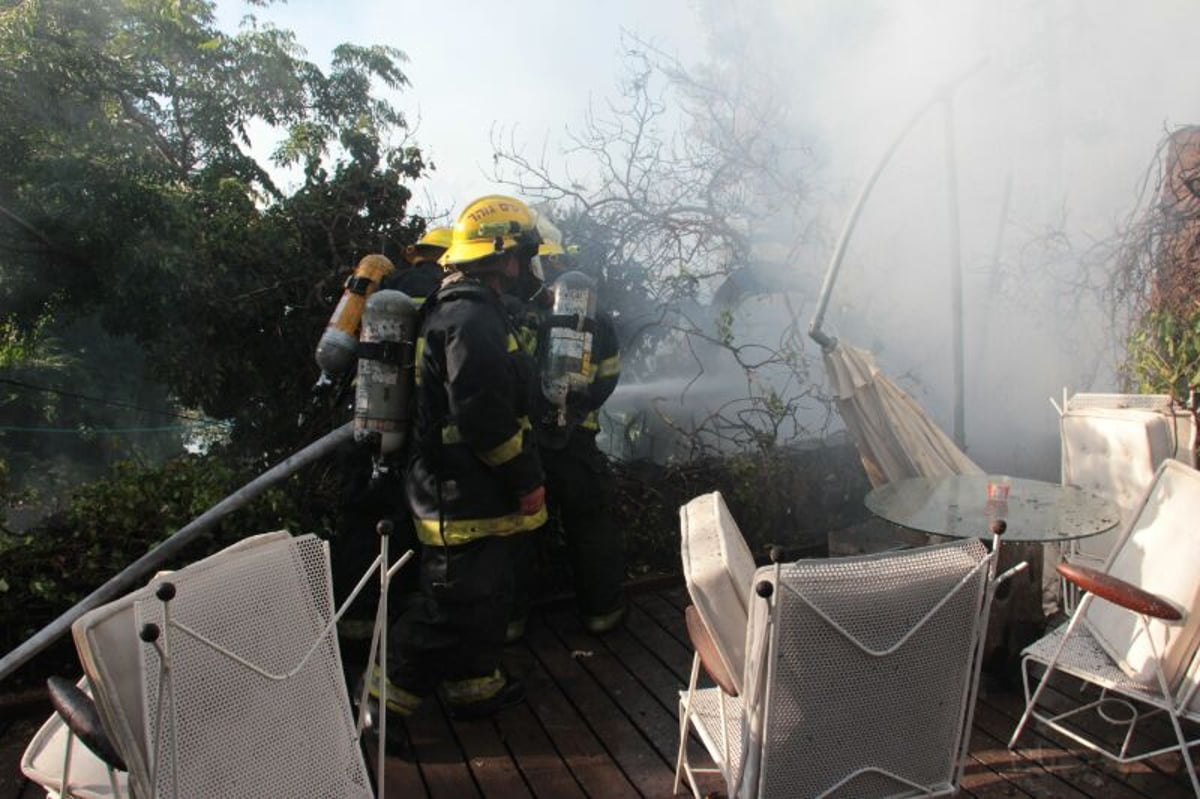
point(531, 503)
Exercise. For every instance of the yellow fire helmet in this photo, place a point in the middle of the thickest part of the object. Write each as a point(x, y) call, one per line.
point(547, 248)
point(550, 253)
point(430, 246)
point(491, 225)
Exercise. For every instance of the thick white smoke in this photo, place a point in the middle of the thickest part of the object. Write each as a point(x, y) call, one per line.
point(1053, 134)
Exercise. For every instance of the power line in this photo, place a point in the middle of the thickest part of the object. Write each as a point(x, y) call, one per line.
point(102, 400)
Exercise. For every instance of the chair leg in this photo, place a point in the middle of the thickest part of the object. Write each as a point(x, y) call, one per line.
point(1144, 623)
point(682, 766)
point(1031, 701)
point(1187, 756)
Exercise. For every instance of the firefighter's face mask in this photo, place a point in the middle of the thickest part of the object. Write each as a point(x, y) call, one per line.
point(510, 272)
point(528, 284)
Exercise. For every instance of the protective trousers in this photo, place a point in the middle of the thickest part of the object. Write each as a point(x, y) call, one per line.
point(355, 543)
point(455, 631)
point(580, 491)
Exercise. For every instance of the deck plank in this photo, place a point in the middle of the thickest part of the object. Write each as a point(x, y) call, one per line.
point(402, 776)
point(652, 719)
point(675, 655)
point(1158, 776)
point(595, 707)
point(668, 616)
point(539, 760)
point(438, 755)
point(1062, 694)
point(488, 757)
point(596, 772)
point(1026, 779)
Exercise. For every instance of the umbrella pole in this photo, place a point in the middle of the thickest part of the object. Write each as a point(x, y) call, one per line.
point(956, 278)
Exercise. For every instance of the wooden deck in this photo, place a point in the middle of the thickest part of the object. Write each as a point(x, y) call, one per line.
point(601, 721)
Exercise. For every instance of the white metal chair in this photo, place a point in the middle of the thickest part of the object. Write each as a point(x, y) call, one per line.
point(719, 571)
point(859, 676)
point(222, 679)
point(1139, 643)
point(1112, 444)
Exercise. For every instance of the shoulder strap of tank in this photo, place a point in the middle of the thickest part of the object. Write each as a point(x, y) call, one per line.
point(467, 289)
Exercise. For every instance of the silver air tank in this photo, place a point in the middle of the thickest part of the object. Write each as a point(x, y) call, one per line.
point(566, 360)
point(386, 348)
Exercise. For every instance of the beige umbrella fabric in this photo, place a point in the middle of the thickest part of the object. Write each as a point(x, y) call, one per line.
point(894, 436)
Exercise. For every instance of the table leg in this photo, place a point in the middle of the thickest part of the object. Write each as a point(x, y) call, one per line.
point(1017, 618)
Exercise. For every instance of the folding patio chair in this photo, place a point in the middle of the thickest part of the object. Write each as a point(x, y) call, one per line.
point(1139, 643)
point(223, 679)
point(1112, 444)
point(719, 572)
point(859, 674)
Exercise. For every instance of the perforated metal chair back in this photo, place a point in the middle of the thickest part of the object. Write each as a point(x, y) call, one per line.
point(255, 720)
point(869, 669)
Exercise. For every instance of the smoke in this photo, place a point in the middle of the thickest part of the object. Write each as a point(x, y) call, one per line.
point(1052, 131)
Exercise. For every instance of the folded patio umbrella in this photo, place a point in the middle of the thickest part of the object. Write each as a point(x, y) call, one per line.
point(894, 435)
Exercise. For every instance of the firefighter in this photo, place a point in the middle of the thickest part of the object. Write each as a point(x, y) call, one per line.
point(423, 273)
point(579, 484)
point(474, 482)
point(363, 502)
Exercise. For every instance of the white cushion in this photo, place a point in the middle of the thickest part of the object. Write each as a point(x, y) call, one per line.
point(1159, 552)
point(719, 571)
point(1114, 453)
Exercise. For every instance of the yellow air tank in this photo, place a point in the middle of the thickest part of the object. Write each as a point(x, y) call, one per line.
point(336, 351)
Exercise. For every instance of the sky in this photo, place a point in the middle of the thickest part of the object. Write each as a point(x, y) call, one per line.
point(1053, 135)
point(525, 68)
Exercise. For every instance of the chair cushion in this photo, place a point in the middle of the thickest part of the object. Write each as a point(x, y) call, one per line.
point(1158, 552)
point(1114, 453)
point(718, 568)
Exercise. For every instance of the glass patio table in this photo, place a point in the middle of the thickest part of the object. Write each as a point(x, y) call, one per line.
point(958, 506)
point(1035, 513)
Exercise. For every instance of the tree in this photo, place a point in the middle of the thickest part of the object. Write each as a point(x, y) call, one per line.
point(681, 196)
point(129, 192)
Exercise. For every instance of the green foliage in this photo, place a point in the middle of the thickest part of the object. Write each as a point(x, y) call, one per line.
point(725, 327)
point(64, 388)
point(786, 496)
point(1163, 354)
point(111, 522)
point(33, 347)
point(127, 178)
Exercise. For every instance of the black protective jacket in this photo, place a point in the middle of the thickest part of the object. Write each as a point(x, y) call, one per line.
point(417, 281)
point(473, 455)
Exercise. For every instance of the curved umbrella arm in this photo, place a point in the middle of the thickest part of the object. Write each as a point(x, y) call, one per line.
point(839, 252)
